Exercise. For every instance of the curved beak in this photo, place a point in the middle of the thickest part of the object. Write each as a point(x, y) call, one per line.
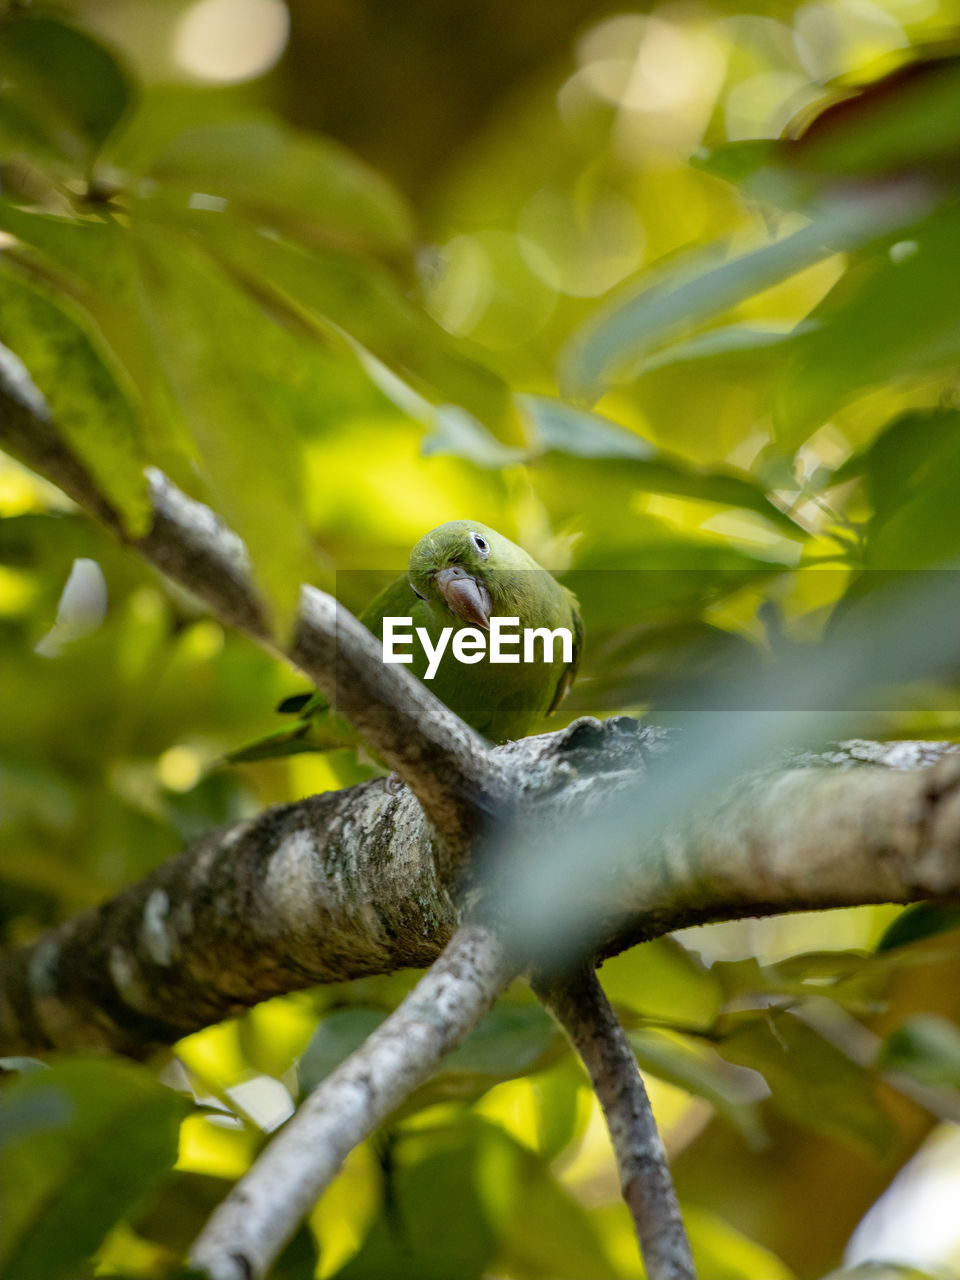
point(467, 598)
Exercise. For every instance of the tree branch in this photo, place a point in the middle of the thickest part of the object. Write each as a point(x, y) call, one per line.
point(446, 764)
point(580, 1006)
point(247, 1231)
point(345, 884)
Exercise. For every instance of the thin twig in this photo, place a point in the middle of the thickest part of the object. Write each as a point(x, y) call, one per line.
point(580, 1006)
point(249, 1229)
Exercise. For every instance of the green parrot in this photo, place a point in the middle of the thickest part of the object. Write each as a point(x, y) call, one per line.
point(460, 576)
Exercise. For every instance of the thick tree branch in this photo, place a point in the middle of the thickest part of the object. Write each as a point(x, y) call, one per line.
point(580, 1006)
point(447, 765)
point(251, 1226)
point(345, 884)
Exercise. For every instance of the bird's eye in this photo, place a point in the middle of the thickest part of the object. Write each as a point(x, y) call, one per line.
point(481, 544)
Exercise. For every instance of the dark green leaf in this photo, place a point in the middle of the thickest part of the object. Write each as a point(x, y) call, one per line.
point(339, 1032)
point(926, 1047)
point(701, 1071)
point(811, 1081)
point(72, 87)
point(65, 1185)
point(861, 340)
point(924, 920)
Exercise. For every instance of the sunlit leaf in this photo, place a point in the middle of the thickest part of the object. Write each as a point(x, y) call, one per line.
point(85, 398)
point(359, 299)
point(220, 356)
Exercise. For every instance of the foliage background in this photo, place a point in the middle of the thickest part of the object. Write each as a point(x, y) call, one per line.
point(348, 272)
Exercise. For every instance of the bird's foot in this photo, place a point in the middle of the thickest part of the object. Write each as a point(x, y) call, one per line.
point(395, 784)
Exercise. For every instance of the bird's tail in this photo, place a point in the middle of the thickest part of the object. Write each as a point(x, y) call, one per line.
point(319, 729)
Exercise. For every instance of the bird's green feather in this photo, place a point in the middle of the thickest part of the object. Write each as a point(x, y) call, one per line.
point(500, 701)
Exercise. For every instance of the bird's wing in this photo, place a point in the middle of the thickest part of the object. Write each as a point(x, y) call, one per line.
point(570, 671)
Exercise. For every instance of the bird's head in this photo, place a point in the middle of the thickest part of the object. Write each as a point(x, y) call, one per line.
point(455, 567)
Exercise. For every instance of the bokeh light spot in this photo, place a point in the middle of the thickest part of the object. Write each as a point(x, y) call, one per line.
point(228, 41)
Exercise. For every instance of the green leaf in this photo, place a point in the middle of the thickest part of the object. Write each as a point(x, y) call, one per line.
point(175, 1215)
point(311, 187)
point(360, 300)
point(411, 1238)
point(923, 920)
point(906, 120)
point(721, 1252)
point(226, 362)
point(65, 1185)
point(566, 429)
point(860, 340)
point(72, 89)
point(908, 469)
point(614, 343)
point(662, 980)
point(458, 434)
point(338, 1034)
point(543, 1229)
point(88, 266)
point(700, 1070)
point(811, 1081)
point(511, 1040)
point(926, 1047)
point(85, 399)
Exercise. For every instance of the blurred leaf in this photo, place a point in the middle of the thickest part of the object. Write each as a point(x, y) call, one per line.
point(812, 1083)
point(906, 120)
point(308, 185)
point(543, 1229)
point(853, 980)
point(926, 1047)
point(24, 1065)
point(118, 1126)
point(457, 434)
point(84, 397)
point(511, 1040)
point(89, 267)
point(360, 299)
point(561, 427)
point(174, 1215)
point(217, 350)
point(860, 340)
point(662, 980)
point(908, 470)
point(663, 473)
point(72, 90)
point(734, 347)
point(338, 1034)
point(410, 1238)
point(721, 1252)
point(701, 1071)
point(923, 920)
point(614, 343)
